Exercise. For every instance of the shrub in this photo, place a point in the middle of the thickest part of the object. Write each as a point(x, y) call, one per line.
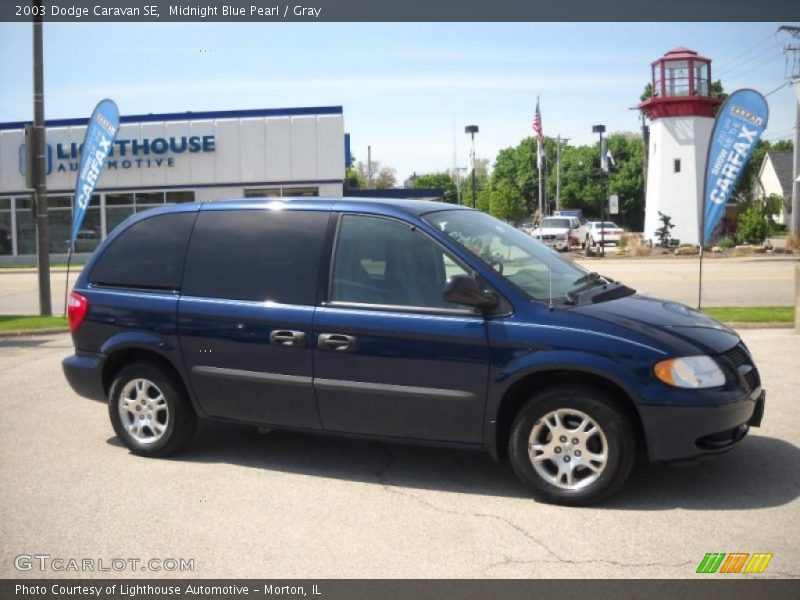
point(623, 242)
point(793, 243)
point(753, 226)
point(726, 243)
point(638, 247)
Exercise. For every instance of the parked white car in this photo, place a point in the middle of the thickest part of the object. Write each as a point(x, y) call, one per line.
point(560, 233)
point(605, 232)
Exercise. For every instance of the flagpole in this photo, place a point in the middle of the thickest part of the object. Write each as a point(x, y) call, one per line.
point(66, 283)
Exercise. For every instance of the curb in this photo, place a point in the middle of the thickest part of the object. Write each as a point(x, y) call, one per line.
point(27, 332)
point(744, 325)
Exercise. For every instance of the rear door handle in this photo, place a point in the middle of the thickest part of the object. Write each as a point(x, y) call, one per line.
point(287, 337)
point(336, 341)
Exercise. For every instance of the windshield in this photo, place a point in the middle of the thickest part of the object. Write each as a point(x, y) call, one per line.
point(556, 223)
point(518, 257)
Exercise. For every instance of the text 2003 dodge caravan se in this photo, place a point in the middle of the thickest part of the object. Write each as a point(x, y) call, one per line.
point(399, 320)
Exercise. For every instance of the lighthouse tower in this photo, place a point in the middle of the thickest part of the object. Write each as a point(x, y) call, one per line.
point(681, 112)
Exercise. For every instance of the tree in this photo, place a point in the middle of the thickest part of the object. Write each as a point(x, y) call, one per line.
point(481, 177)
point(664, 233)
point(382, 177)
point(647, 93)
point(506, 202)
point(440, 180)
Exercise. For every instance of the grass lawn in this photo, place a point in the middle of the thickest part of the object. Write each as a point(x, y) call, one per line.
point(18, 322)
point(752, 314)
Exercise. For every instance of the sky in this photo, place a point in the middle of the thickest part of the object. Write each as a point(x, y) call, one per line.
point(407, 89)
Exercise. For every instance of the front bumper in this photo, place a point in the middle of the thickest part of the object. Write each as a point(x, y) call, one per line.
point(84, 373)
point(681, 432)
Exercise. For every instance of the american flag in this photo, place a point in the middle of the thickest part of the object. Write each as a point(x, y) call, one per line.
point(537, 123)
point(537, 128)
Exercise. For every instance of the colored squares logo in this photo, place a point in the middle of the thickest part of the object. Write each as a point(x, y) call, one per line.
point(734, 562)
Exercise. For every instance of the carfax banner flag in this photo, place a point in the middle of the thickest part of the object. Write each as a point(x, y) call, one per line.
point(97, 145)
point(739, 124)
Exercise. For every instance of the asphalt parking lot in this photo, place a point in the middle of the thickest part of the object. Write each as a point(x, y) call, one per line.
point(287, 505)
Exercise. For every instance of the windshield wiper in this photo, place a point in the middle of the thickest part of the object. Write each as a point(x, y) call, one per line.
point(594, 277)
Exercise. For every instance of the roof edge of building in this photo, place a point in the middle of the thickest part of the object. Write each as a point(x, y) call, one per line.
point(192, 116)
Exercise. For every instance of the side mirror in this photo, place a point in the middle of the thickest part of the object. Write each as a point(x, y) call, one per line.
point(463, 289)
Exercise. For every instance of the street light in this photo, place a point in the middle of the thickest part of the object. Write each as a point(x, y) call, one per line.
point(472, 130)
point(601, 130)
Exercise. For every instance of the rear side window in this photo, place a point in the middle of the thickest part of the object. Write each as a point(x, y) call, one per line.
point(148, 255)
point(257, 255)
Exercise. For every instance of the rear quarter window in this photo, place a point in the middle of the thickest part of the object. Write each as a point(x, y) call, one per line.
point(149, 254)
point(256, 255)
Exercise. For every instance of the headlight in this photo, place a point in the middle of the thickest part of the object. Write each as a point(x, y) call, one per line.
point(690, 372)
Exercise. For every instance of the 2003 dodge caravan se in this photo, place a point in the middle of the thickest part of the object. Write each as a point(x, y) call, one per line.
point(399, 320)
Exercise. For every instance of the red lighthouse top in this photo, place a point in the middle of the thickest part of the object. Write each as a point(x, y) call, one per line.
point(681, 81)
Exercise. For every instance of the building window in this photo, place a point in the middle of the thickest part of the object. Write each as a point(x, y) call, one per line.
point(59, 218)
point(118, 208)
point(147, 200)
point(300, 191)
point(262, 192)
point(6, 235)
point(26, 234)
point(676, 165)
point(179, 197)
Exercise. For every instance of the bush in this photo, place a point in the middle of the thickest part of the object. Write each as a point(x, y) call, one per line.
point(753, 226)
point(623, 242)
point(638, 247)
point(793, 243)
point(726, 243)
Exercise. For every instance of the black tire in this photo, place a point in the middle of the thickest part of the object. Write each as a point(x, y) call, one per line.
point(178, 415)
point(619, 446)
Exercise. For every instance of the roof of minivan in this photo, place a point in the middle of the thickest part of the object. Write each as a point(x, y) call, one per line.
point(413, 207)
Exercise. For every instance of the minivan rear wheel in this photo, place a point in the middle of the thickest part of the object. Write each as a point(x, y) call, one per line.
point(572, 445)
point(150, 411)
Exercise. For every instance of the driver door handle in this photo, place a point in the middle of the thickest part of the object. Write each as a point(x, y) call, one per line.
point(337, 342)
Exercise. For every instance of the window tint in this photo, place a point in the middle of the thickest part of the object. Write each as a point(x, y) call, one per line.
point(149, 254)
point(382, 261)
point(256, 255)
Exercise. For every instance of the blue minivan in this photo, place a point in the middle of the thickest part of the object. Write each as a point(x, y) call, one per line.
point(402, 321)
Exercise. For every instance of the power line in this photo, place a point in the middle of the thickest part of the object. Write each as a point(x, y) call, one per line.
point(724, 64)
point(781, 86)
point(734, 67)
point(761, 64)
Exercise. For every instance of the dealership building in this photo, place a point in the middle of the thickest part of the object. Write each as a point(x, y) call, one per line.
point(170, 158)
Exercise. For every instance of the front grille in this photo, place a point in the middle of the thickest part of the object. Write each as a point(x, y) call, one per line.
point(739, 359)
point(737, 356)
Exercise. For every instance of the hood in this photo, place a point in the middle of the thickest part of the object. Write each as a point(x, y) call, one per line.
point(684, 329)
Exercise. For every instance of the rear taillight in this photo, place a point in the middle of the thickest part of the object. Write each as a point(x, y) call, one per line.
point(76, 310)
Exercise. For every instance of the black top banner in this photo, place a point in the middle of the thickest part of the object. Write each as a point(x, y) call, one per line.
point(398, 11)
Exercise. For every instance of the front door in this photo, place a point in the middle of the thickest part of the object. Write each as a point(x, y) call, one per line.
point(392, 358)
point(246, 311)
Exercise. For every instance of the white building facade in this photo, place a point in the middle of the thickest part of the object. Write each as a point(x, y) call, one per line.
point(170, 158)
point(681, 112)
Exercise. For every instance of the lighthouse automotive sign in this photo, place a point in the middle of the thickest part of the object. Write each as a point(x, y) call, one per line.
point(740, 122)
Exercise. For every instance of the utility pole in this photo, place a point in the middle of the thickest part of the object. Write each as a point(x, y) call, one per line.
point(369, 167)
point(472, 130)
point(603, 168)
point(40, 169)
point(795, 77)
point(558, 170)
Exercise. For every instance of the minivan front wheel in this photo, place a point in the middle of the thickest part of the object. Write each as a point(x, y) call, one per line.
point(572, 445)
point(149, 411)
